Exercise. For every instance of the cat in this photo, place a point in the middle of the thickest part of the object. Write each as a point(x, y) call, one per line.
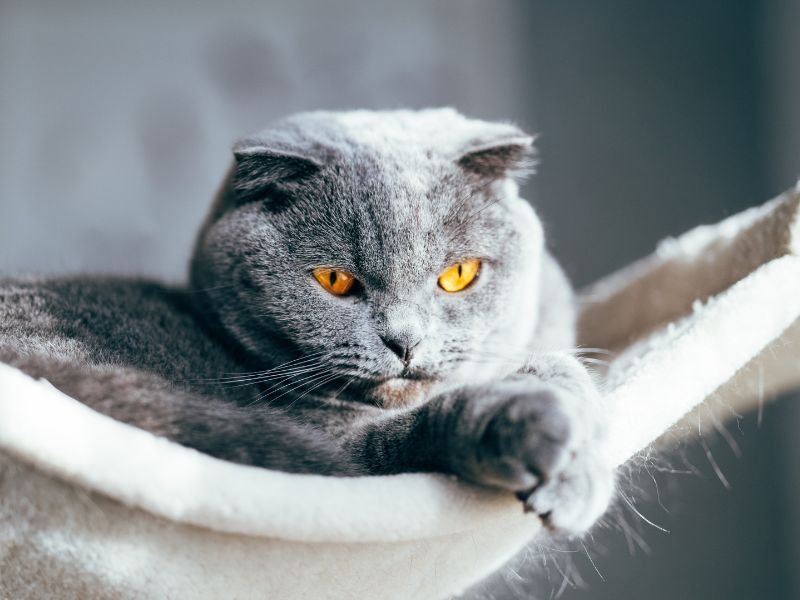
point(368, 295)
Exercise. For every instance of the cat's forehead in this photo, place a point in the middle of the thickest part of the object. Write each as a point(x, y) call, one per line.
point(363, 183)
point(398, 217)
point(386, 207)
point(397, 168)
point(439, 132)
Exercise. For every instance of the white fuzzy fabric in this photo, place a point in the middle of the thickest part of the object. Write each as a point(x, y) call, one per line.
point(90, 507)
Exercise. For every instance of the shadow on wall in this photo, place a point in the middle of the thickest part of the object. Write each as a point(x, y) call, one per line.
point(117, 153)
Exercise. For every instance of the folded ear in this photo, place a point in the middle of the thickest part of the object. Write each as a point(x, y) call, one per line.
point(508, 157)
point(260, 170)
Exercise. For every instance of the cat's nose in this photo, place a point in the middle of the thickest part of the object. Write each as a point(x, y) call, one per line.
point(402, 346)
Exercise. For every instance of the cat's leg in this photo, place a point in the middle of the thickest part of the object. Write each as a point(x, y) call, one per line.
point(539, 433)
point(259, 435)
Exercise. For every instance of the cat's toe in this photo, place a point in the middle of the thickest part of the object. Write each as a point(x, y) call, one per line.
point(575, 498)
point(549, 445)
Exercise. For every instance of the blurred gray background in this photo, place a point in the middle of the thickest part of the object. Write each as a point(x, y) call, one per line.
point(116, 121)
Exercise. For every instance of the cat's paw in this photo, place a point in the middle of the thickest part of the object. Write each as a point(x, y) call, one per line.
point(544, 444)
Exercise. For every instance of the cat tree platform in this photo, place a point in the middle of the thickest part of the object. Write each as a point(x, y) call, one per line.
point(93, 508)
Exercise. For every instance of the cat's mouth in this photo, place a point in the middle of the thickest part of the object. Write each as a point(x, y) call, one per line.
point(409, 387)
point(413, 375)
point(402, 391)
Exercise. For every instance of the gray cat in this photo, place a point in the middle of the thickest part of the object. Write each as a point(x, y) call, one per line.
point(368, 295)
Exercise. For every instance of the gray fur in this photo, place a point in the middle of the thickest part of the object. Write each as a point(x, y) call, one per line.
point(255, 362)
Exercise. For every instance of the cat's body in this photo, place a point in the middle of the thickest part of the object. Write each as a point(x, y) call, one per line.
point(255, 362)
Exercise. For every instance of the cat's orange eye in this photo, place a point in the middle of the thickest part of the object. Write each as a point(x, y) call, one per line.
point(458, 276)
point(337, 281)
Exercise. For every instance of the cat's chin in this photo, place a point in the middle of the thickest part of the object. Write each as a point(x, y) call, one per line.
point(401, 392)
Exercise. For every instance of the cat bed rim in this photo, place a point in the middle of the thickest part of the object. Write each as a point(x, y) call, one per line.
point(141, 470)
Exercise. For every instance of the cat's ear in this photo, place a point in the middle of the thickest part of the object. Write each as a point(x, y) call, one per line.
point(260, 170)
point(512, 156)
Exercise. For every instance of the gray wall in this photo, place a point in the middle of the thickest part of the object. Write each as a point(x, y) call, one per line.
point(116, 119)
point(782, 120)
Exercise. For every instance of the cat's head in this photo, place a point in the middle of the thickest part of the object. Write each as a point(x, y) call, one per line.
point(385, 251)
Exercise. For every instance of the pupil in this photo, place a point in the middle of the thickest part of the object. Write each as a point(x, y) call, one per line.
point(459, 270)
point(332, 277)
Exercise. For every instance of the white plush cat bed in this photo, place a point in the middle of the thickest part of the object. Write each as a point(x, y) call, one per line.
point(93, 508)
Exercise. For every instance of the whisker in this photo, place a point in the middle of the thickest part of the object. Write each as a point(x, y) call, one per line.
point(318, 385)
point(595, 361)
point(283, 368)
point(294, 385)
point(591, 560)
point(588, 350)
point(277, 376)
point(640, 515)
point(343, 388)
point(294, 362)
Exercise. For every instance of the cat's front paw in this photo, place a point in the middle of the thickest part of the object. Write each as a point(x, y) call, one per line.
point(544, 444)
